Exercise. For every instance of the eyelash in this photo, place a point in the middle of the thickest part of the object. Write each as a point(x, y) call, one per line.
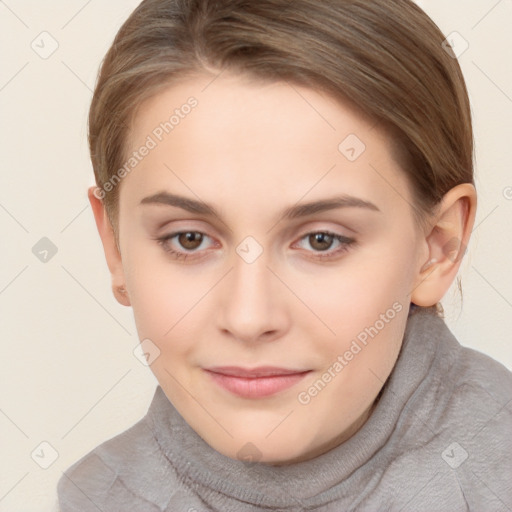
point(346, 244)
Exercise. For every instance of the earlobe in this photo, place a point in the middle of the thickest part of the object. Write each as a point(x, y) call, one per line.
point(447, 243)
point(110, 248)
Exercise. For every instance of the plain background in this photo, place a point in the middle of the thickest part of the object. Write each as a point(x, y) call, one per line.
point(68, 374)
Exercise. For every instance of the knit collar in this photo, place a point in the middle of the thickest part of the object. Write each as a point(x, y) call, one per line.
point(324, 476)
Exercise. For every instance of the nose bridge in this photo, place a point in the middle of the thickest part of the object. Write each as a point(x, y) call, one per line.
point(250, 306)
point(251, 277)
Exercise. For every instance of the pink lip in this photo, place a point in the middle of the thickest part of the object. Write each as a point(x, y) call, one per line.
point(256, 382)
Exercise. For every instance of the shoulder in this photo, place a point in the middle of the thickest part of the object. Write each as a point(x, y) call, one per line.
point(481, 423)
point(485, 370)
point(462, 388)
point(480, 398)
point(119, 473)
point(458, 442)
point(85, 484)
point(460, 382)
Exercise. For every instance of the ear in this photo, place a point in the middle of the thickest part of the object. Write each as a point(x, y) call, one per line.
point(112, 253)
point(447, 243)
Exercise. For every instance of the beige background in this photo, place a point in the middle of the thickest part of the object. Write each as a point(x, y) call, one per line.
point(68, 375)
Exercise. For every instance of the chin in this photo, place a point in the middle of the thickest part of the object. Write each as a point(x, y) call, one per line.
point(275, 450)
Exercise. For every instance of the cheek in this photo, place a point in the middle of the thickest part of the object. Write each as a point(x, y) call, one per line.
point(355, 294)
point(164, 299)
point(367, 350)
point(366, 311)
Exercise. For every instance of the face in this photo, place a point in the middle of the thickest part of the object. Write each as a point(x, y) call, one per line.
point(269, 252)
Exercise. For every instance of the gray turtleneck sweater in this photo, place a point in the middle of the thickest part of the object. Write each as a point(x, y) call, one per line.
point(439, 439)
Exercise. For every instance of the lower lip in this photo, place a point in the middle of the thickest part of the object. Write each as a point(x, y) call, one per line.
point(256, 387)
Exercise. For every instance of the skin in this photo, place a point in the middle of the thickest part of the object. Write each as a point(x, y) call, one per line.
point(252, 150)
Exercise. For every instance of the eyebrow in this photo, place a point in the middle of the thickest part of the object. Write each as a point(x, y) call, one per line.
point(292, 212)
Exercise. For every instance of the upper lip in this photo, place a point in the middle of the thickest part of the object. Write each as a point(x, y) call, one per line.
point(260, 371)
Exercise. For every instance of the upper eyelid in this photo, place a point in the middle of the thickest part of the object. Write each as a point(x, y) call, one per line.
point(349, 226)
point(319, 225)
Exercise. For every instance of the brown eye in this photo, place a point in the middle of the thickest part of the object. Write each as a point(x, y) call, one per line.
point(321, 241)
point(190, 239)
point(182, 244)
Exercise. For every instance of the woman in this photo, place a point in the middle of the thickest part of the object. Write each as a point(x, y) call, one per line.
point(284, 194)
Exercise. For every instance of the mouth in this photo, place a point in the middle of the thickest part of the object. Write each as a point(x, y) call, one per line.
point(258, 382)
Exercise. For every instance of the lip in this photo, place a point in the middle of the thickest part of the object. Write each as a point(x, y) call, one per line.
point(257, 382)
point(259, 371)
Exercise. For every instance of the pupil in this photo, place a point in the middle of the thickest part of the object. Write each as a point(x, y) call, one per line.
point(190, 237)
point(321, 237)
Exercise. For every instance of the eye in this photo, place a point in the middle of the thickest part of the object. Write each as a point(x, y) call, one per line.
point(322, 241)
point(189, 240)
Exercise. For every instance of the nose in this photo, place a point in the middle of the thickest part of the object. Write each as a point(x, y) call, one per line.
point(251, 305)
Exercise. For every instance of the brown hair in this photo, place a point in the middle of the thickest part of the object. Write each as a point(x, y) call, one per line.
point(384, 57)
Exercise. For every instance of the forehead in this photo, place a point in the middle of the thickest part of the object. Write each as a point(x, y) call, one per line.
point(229, 102)
point(276, 141)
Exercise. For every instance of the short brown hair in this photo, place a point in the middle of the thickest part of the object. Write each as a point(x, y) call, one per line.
point(384, 57)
